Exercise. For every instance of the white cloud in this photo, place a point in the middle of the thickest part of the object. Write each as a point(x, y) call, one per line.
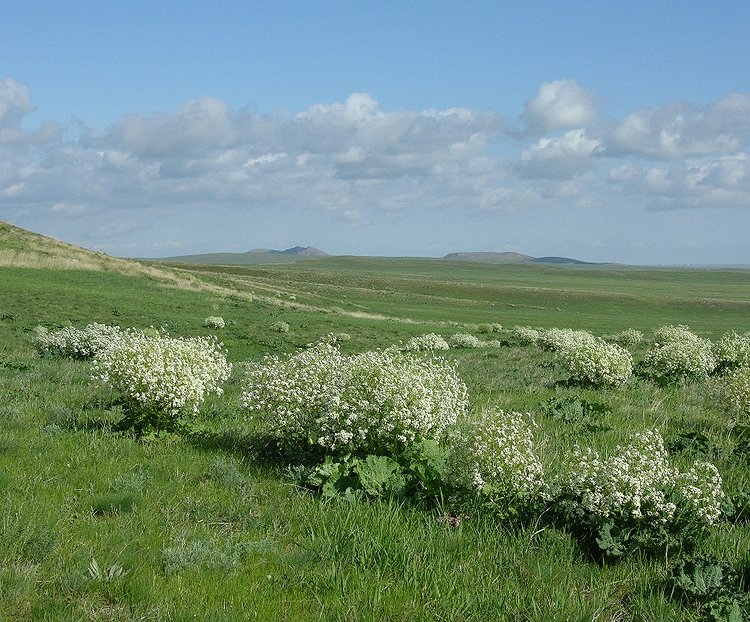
point(563, 157)
point(558, 105)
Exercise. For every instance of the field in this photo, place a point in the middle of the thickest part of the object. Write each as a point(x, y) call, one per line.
point(209, 525)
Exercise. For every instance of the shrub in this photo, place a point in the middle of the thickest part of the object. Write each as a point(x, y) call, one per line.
point(214, 322)
point(635, 499)
point(462, 340)
point(76, 342)
point(429, 342)
point(628, 337)
point(375, 402)
point(598, 363)
point(734, 392)
point(495, 458)
point(525, 335)
point(161, 375)
point(490, 328)
point(561, 339)
point(732, 351)
point(280, 327)
point(677, 352)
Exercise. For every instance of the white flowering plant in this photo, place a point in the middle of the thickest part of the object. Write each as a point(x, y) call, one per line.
point(561, 339)
point(429, 342)
point(214, 321)
point(732, 351)
point(635, 499)
point(378, 402)
point(598, 363)
point(162, 379)
point(734, 393)
point(676, 352)
point(77, 343)
point(464, 340)
point(280, 327)
point(525, 335)
point(628, 338)
point(494, 459)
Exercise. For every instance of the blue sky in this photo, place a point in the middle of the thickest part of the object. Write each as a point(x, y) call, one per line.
point(602, 131)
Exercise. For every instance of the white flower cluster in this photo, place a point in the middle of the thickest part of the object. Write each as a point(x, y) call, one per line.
point(598, 362)
point(158, 372)
point(213, 321)
point(637, 482)
point(676, 351)
point(280, 327)
point(628, 337)
point(375, 401)
point(561, 339)
point(496, 456)
point(78, 343)
point(429, 342)
point(463, 340)
point(733, 350)
point(734, 390)
point(525, 335)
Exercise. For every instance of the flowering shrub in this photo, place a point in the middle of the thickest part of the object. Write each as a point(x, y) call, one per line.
point(490, 328)
point(214, 322)
point(76, 342)
point(462, 340)
point(628, 337)
point(635, 499)
point(495, 458)
point(525, 335)
point(598, 363)
point(561, 339)
point(280, 327)
point(677, 352)
point(430, 341)
point(163, 375)
point(732, 351)
point(375, 402)
point(734, 391)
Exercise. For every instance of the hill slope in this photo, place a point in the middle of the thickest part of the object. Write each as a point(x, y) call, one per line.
point(257, 256)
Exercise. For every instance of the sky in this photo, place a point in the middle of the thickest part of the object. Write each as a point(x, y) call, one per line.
point(603, 131)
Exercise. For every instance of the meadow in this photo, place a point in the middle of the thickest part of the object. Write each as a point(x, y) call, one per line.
point(215, 523)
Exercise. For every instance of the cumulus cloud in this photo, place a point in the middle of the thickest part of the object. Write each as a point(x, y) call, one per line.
point(15, 104)
point(559, 105)
point(563, 157)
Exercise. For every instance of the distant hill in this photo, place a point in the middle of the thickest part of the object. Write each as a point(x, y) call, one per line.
point(253, 257)
point(490, 257)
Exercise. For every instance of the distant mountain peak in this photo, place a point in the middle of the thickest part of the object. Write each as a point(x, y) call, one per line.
point(304, 251)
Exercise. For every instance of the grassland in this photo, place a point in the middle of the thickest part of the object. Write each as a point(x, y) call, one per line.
point(209, 527)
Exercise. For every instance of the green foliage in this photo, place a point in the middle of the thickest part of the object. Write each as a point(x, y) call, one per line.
point(575, 410)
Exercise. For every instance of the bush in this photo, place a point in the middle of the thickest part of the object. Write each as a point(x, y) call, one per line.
point(375, 402)
point(462, 340)
point(75, 342)
point(561, 339)
point(676, 352)
point(732, 351)
point(280, 327)
point(428, 342)
point(214, 322)
point(628, 337)
point(734, 392)
point(525, 335)
point(161, 375)
point(495, 458)
point(598, 363)
point(490, 328)
point(635, 500)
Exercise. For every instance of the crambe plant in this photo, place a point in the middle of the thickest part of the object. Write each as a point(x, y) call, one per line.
point(494, 456)
point(734, 392)
point(280, 327)
point(375, 402)
point(561, 339)
point(462, 340)
point(161, 374)
point(732, 351)
point(677, 352)
point(598, 363)
point(76, 342)
point(628, 337)
point(525, 335)
point(213, 321)
point(429, 342)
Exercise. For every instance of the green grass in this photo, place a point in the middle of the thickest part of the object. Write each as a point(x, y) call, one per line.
point(208, 527)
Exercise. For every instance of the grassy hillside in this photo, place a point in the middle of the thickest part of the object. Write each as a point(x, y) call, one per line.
point(100, 525)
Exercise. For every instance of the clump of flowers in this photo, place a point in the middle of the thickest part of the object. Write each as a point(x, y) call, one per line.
point(495, 457)
point(561, 339)
point(677, 352)
point(464, 340)
point(429, 342)
point(280, 327)
point(598, 363)
point(732, 351)
point(78, 343)
point(628, 338)
point(635, 498)
point(734, 392)
point(377, 402)
point(163, 375)
point(493, 327)
point(214, 321)
point(525, 335)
